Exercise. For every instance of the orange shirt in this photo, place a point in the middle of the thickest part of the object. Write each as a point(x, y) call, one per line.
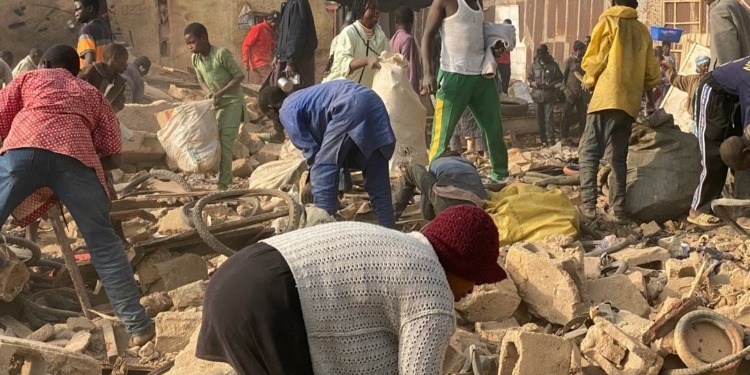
point(258, 46)
point(94, 36)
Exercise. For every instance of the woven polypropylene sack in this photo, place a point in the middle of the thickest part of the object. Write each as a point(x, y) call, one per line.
point(191, 137)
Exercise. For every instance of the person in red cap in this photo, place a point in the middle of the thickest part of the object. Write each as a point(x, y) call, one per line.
point(348, 297)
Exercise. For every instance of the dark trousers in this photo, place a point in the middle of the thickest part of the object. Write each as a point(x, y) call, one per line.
point(325, 181)
point(417, 177)
point(580, 106)
point(609, 127)
point(546, 122)
point(503, 71)
point(305, 68)
point(715, 123)
point(252, 317)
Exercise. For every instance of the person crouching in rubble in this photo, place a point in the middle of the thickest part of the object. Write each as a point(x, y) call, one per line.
point(719, 125)
point(338, 124)
point(452, 180)
point(59, 136)
point(346, 298)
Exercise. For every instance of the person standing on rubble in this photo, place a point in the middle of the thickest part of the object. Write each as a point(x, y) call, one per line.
point(59, 135)
point(348, 298)
point(94, 35)
point(717, 98)
point(403, 42)
point(620, 68)
point(220, 76)
point(574, 97)
point(257, 49)
point(452, 180)
point(359, 45)
point(545, 78)
point(460, 82)
point(109, 72)
point(730, 30)
point(688, 83)
point(295, 52)
point(338, 125)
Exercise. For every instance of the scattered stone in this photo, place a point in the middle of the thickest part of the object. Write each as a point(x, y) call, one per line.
point(59, 342)
point(239, 151)
point(639, 281)
point(251, 141)
point(621, 292)
point(650, 229)
point(242, 168)
point(79, 342)
point(190, 295)
point(77, 324)
point(592, 269)
point(651, 258)
point(13, 327)
point(617, 353)
point(173, 223)
point(672, 244)
point(157, 274)
point(186, 364)
point(155, 303)
point(270, 152)
point(535, 353)
point(455, 355)
point(147, 350)
point(632, 324)
point(171, 328)
point(495, 331)
point(42, 334)
point(491, 302)
point(549, 280)
point(50, 358)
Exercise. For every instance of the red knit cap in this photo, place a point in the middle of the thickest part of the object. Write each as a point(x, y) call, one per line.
point(467, 243)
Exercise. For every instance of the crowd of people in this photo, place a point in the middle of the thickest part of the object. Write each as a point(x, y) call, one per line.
point(344, 297)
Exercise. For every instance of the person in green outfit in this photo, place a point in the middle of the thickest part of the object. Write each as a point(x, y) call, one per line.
point(220, 76)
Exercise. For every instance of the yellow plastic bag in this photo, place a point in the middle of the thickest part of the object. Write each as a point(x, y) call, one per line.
point(525, 212)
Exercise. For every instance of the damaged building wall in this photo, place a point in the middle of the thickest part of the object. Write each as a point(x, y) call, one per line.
point(25, 25)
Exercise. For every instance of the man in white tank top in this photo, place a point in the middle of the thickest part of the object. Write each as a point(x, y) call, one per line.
point(459, 79)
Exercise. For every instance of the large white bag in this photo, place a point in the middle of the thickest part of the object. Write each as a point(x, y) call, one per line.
point(191, 137)
point(405, 109)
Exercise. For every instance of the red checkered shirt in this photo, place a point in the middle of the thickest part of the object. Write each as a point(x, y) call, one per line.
point(51, 109)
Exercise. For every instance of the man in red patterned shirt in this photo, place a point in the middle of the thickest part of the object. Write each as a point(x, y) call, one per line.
point(257, 49)
point(59, 133)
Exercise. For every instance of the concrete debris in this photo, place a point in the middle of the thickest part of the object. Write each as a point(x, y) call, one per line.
point(549, 281)
point(650, 229)
point(455, 355)
point(495, 331)
point(42, 334)
point(157, 274)
point(185, 94)
point(186, 364)
point(53, 359)
point(13, 327)
point(190, 295)
point(13, 274)
point(173, 223)
point(77, 324)
point(621, 292)
point(156, 302)
point(62, 332)
point(251, 141)
point(147, 350)
point(534, 353)
point(60, 343)
point(239, 151)
point(491, 302)
point(171, 328)
point(242, 168)
point(79, 342)
point(651, 258)
point(617, 353)
point(270, 152)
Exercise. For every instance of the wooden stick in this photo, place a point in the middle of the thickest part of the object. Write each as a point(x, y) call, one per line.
point(70, 261)
point(110, 341)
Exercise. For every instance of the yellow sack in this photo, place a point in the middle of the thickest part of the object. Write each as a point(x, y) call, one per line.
point(525, 212)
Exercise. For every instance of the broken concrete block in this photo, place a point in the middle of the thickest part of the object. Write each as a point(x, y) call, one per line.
point(242, 168)
point(591, 267)
point(681, 268)
point(651, 258)
point(76, 324)
point(251, 141)
point(632, 324)
point(172, 273)
point(490, 302)
point(43, 358)
point(171, 328)
point(650, 229)
point(143, 148)
point(239, 151)
point(269, 152)
point(185, 94)
point(143, 117)
point(550, 281)
point(455, 355)
point(190, 295)
point(62, 332)
point(13, 327)
point(42, 334)
point(495, 331)
point(173, 223)
point(60, 343)
point(13, 274)
point(621, 292)
point(186, 364)
point(535, 353)
point(676, 288)
point(147, 350)
point(639, 281)
point(79, 342)
point(617, 353)
point(155, 303)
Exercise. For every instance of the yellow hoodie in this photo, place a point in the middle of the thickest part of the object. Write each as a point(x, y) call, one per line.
point(620, 62)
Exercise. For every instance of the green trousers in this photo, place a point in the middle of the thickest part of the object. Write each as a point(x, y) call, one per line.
point(456, 92)
point(229, 115)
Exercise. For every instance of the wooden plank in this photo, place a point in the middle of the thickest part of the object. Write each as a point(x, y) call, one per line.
point(132, 214)
point(110, 341)
point(135, 204)
point(70, 261)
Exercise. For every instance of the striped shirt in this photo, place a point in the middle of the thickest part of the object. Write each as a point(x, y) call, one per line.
point(94, 36)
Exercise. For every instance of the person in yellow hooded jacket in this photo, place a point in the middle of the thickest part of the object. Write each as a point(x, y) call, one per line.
point(620, 68)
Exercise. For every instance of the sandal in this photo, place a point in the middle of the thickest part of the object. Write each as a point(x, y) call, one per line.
point(705, 221)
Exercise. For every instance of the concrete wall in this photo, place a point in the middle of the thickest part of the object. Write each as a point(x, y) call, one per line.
point(25, 25)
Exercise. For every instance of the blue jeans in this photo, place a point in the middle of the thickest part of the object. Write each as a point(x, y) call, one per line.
point(22, 171)
point(325, 181)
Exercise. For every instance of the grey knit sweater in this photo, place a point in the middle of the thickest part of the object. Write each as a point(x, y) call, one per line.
point(374, 300)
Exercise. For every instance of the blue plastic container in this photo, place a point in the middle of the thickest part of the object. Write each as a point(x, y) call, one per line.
point(665, 34)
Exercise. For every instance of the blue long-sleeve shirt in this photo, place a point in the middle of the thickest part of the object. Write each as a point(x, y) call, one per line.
point(734, 78)
point(319, 118)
